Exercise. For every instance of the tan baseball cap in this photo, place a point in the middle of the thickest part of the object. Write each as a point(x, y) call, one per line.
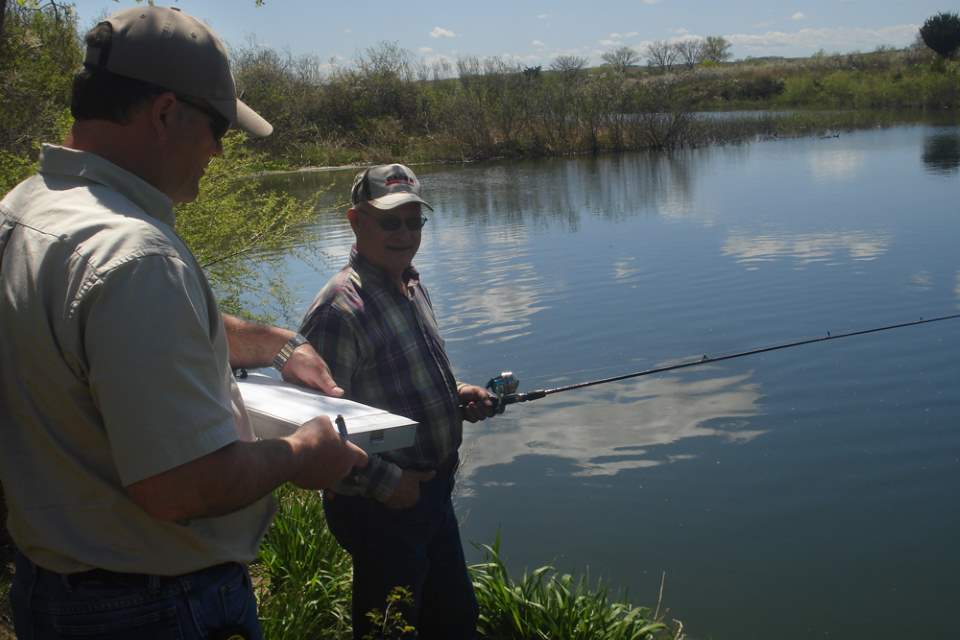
point(168, 48)
point(387, 186)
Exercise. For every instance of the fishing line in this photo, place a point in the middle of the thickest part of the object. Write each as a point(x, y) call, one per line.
point(504, 386)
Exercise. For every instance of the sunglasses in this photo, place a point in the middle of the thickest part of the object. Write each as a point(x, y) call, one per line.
point(218, 124)
point(390, 222)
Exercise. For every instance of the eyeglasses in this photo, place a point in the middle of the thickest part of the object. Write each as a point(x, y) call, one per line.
point(218, 124)
point(390, 222)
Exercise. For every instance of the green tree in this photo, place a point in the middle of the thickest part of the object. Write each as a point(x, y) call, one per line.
point(942, 33)
point(39, 51)
point(716, 49)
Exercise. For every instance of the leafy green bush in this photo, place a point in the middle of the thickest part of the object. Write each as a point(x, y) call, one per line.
point(234, 215)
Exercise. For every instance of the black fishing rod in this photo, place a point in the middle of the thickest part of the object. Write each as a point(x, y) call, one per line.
point(504, 386)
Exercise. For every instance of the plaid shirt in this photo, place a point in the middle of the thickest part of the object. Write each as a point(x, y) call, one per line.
point(384, 349)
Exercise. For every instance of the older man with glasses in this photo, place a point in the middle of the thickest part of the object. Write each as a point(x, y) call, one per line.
point(374, 325)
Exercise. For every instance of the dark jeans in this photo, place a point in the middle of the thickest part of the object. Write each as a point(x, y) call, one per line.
point(114, 606)
point(418, 548)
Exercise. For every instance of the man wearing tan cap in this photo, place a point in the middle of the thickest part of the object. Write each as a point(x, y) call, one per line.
point(374, 324)
point(137, 493)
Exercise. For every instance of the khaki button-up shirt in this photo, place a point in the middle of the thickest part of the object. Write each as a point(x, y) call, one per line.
point(113, 368)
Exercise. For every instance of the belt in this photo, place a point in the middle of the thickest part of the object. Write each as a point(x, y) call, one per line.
point(115, 578)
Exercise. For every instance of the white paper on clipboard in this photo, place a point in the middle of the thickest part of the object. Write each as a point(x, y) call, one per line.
point(277, 409)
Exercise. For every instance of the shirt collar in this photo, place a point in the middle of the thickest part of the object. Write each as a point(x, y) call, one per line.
point(57, 160)
point(362, 266)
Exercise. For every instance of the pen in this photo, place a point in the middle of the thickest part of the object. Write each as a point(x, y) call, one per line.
point(341, 426)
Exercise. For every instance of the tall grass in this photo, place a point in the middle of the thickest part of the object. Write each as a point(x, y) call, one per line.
point(303, 581)
point(546, 605)
point(303, 575)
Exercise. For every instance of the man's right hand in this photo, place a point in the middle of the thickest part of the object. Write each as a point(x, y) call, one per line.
point(324, 458)
point(408, 491)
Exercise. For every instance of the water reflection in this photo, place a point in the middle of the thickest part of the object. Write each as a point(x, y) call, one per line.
point(835, 164)
point(611, 428)
point(941, 152)
point(805, 248)
point(546, 193)
point(922, 280)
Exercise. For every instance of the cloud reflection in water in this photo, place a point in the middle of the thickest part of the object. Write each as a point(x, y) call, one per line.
point(500, 290)
point(805, 248)
point(611, 428)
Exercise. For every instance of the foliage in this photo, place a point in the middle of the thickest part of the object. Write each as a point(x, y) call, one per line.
point(304, 579)
point(39, 52)
point(716, 49)
point(390, 624)
point(942, 33)
point(233, 215)
point(303, 575)
point(544, 604)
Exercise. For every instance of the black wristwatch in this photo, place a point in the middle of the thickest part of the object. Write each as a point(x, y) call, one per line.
point(286, 351)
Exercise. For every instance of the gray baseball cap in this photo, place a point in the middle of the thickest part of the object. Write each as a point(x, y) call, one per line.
point(387, 186)
point(168, 48)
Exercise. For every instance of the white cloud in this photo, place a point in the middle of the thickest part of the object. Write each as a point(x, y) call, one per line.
point(543, 16)
point(798, 16)
point(348, 30)
point(610, 43)
point(615, 36)
point(440, 32)
point(807, 41)
point(650, 1)
point(681, 31)
point(425, 50)
point(537, 43)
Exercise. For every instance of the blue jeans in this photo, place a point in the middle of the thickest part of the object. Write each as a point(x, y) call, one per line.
point(418, 548)
point(112, 606)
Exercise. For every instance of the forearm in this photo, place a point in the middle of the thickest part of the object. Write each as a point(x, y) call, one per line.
point(219, 483)
point(253, 345)
point(313, 457)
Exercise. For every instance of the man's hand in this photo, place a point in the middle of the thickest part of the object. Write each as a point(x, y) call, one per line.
point(475, 401)
point(324, 458)
point(307, 369)
point(408, 491)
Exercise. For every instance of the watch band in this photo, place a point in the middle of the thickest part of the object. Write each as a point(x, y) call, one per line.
point(287, 350)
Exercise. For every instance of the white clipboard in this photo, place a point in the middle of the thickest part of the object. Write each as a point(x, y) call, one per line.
point(277, 409)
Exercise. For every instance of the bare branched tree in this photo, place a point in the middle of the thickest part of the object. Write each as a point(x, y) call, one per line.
point(661, 55)
point(569, 64)
point(689, 52)
point(621, 58)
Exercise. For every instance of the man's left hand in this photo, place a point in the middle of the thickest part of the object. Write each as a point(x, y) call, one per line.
point(307, 369)
point(475, 401)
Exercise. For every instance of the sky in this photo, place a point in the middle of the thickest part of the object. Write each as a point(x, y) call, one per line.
point(535, 32)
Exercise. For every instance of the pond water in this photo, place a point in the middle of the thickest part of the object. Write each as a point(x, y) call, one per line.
point(810, 492)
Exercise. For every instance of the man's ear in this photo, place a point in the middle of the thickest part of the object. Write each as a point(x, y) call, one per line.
point(162, 112)
point(354, 217)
